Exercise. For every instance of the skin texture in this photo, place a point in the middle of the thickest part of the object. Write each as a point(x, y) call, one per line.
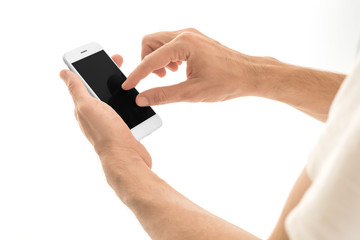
point(214, 73)
point(217, 73)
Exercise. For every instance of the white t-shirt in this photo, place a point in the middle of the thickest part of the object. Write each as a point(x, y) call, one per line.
point(330, 209)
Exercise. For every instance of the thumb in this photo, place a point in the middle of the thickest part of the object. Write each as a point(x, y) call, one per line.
point(118, 59)
point(163, 95)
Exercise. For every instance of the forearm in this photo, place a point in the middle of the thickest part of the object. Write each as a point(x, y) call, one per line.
point(311, 91)
point(163, 212)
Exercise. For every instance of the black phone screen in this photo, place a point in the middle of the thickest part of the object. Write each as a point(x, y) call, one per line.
point(105, 79)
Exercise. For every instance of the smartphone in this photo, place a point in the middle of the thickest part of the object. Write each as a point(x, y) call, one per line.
point(103, 80)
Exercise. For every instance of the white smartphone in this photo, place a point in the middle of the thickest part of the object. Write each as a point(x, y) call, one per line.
point(103, 79)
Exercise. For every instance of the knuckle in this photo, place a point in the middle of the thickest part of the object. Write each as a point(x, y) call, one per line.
point(146, 62)
point(271, 59)
point(146, 58)
point(191, 29)
point(146, 45)
point(146, 39)
point(144, 52)
point(186, 36)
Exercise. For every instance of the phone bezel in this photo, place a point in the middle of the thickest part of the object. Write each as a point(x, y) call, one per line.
point(139, 131)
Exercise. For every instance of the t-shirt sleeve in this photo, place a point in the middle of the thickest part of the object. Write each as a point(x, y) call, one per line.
point(330, 209)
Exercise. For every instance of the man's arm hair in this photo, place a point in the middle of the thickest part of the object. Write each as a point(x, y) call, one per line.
point(166, 214)
point(309, 90)
point(162, 211)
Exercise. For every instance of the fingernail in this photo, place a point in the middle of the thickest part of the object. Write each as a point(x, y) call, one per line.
point(142, 101)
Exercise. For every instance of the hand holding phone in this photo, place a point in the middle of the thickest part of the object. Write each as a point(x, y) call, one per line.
point(103, 80)
point(104, 128)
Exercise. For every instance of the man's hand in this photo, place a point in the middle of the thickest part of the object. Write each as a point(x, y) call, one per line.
point(163, 212)
point(104, 128)
point(217, 73)
point(214, 72)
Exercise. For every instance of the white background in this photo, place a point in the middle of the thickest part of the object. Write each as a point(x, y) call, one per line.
point(238, 159)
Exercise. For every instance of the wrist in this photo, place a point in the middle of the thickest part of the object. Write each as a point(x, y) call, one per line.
point(256, 76)
point(125, 172)
point(309, 90)
point(265, 74)
point(133, 181)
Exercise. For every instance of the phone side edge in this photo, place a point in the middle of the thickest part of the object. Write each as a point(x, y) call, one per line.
point(70, 66)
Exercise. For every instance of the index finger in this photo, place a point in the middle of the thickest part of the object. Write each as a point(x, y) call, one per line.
point(75, 85)
point(161, 57)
